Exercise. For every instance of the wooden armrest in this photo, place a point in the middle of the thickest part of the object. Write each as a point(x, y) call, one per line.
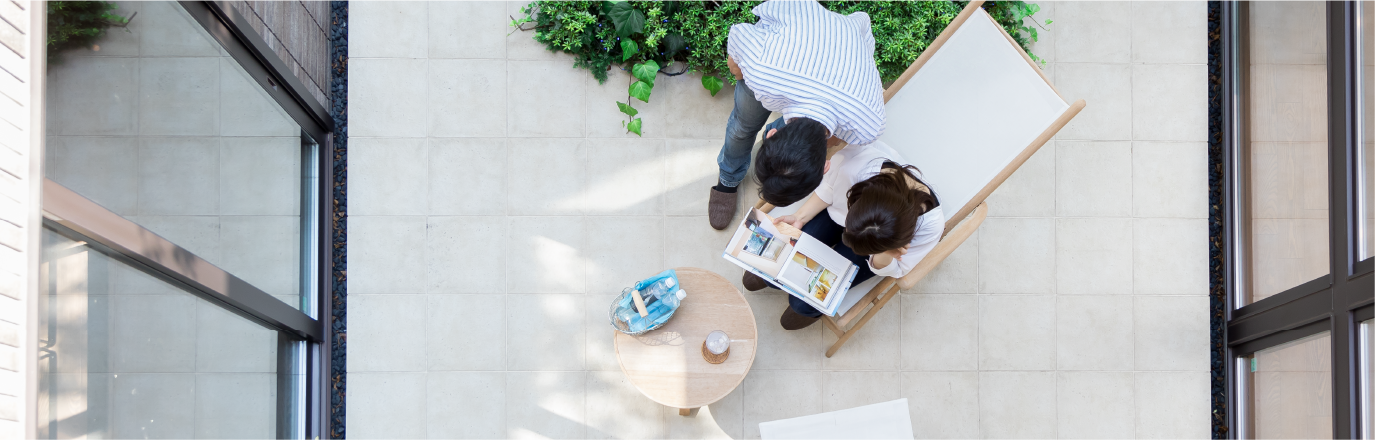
point(947, 245)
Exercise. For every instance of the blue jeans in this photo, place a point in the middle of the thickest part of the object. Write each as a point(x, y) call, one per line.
point(828, 232)
point(746, 119)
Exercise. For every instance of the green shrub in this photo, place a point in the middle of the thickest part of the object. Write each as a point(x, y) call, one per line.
point(79, 24)
point(647, 36)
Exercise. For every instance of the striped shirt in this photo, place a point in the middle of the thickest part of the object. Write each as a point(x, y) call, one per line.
point(805, 61)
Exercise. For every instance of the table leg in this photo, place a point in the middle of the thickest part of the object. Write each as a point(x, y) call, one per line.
point(685, 411)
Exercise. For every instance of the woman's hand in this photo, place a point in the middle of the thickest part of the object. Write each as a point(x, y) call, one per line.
point(789, 219)
point(883, 259)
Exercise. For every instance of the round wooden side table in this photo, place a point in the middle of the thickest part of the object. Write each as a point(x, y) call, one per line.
point(667, 364)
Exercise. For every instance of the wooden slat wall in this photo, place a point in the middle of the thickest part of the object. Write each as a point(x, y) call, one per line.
point(17, 206)
point(298, 32)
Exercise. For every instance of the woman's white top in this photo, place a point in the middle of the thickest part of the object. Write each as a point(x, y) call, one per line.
point(855, 163)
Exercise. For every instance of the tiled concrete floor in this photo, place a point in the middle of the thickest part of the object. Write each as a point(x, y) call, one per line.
point(496, 207)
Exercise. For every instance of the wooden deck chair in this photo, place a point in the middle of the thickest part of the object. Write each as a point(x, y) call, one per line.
point(968, 112)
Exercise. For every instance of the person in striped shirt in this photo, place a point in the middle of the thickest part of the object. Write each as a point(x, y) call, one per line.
point(816, 68)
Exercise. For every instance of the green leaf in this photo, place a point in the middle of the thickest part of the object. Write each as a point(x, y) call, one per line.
point(634, 127)
point(626, 19)
point(640, 90)
point(628, 49)
point(627, 109)
point(711, 83)
point(645, 71)
point(1048, 21)
point(673, 43)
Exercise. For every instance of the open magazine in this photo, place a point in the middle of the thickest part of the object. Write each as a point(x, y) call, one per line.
point(781, 254)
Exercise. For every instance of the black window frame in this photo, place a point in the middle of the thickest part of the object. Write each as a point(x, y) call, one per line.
point(1335, 303)
point(75, 216)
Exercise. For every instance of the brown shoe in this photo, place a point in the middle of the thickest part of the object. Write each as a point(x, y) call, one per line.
point(753, 283)
point(721, 208)
point(793, 321)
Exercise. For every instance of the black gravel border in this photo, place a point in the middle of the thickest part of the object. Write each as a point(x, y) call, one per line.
point(339, 99)
point(1217, 288)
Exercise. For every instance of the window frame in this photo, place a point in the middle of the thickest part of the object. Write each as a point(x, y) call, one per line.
point(1331, 303)
point(71, 214)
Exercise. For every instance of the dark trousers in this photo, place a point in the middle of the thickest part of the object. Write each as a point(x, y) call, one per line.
point(828, 232)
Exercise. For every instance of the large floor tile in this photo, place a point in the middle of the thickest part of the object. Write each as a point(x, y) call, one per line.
point(467, 98)
point(780, 349)
point(616, 409)
point(1170, 256)
point(624, 177)
point(546, 405)
point(852, 389)
point(559, 96)
point(959, 273)
point(387, 405)
point(546, 255)
point(394, 339)
point(386, 254)
point(75, 110)
point(236, 405)
point(720, 420)
point(385, 97)
point(260, 175)
point(468, 176)
point(153, 334)
point(1173, 405)
point(1093, 32)
point(1016, 332)
point(940, 332)
point(264, 251)
point(247, 110)
point(1293, 33)
point(226, 342)
point(691, 172)
point(468, 29)
point(1169, 32)
point(1094, 333)
point(555, 180)
point(103, 169)
point(388, 177)
point(1286, 253)
point(696, 113)
point(466, 254)
point(178, 176)
point(777, 395)
point(545, 332)
point(622, 251)
point(179, 96)
point(1029, 192)
point(176, 34)
point(153, 406)
point(1095, 405)
point(1170, 179)
point(942, 404)
point(394, 30)
point(1017, 404)
point(1093, 256)
point(1169, 102)
point(466, 332)
point(1107, 90)
point(877, 346)
point(465, 405)
point(1017, 255)
point(1289, 180)
point(601, 345)
point(1093, 179)
point(1171, 333)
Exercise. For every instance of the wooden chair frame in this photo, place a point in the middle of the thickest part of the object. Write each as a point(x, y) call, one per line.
point(963, 222)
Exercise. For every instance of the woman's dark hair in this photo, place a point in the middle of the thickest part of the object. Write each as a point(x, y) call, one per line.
point(790, 163)
point(884, 210)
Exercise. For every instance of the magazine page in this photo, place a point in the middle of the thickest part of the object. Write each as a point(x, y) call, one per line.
point(817, 271)
point(759, 244)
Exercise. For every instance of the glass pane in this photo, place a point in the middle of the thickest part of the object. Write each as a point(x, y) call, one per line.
point(126, 355)
point(1287, 149)
point(1366, 350)
point(158, 124)
point(1366, 151)
point(1291, 395)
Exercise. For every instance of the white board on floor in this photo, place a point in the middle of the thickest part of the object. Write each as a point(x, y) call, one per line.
point(887, 420)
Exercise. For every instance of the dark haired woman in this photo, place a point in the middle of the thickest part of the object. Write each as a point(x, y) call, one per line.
point(887, 221)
